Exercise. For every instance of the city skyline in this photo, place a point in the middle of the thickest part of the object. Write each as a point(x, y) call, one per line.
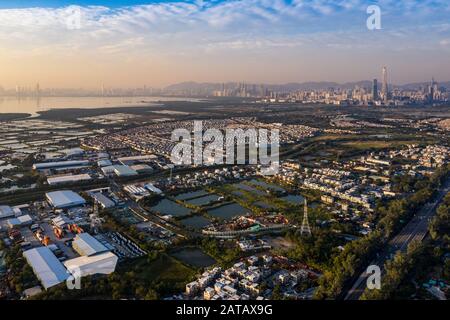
point(132, 43)
point(320, 85)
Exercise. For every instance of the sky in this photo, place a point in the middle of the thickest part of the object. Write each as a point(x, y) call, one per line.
point(134, 43)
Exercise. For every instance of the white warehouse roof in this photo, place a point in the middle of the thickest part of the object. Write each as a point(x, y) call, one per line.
point(103, 263)
point(64, 199)
point(87, 245)
point(152, 188)
point(49, 165)
point(68, 178)
point(25, 219)
point(49, 270)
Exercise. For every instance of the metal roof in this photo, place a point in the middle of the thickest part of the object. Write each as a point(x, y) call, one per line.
point(124, 171)
point(64, 199)
point(104, 163)
point(68, 178)
point(48, 165)
point(104, 263)
point(13, 222)
point(6, 212)
point(61, 221)
point(103, 200)
point(87, 245)
point(49, 270)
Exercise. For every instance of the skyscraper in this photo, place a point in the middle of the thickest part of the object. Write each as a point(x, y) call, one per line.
point(385, 89)
point(436, 93)
point(432, 91)
point(375, 90)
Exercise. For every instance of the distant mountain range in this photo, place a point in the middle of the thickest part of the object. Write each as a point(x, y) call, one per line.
point(294, 86)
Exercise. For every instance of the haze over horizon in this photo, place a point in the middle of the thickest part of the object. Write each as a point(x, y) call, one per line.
point(158, 43)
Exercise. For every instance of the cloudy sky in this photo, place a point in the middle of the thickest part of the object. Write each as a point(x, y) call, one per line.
point(156, 43)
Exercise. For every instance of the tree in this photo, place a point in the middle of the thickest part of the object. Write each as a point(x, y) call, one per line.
point(396, 271)
point(276, 293)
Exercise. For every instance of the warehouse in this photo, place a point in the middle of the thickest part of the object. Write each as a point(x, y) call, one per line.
point(60, 164)
point(152, 188)
point(54, 180)
point(104, 163)
point(87, 245)
point(134, 159)
point(124, 171)
point(64, 199)
point(103, 200)
point(142, 168)
point(73, 152)
point(20, 221)
point(6, 212)
point(108, 170)
point(47, 268)
point(103, 263)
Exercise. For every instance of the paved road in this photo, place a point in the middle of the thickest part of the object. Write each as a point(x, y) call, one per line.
point(415, 230)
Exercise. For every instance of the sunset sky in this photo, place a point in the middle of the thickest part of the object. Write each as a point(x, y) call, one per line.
point(156, 43)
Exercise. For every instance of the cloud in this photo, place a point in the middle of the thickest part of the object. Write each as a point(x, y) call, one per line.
point(204, 20)
point(220, 29)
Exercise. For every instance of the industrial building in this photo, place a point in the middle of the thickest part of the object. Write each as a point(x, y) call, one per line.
point(47, 268)
point(103, 200)
point(104, 163)
point(61, 221)
point(134, 159)
point(95, 257)
point(124, 171)
point(73, 152)
point(119, 170)
point(108, 170)
point(64, 199)
point(6, 212)
point(54, 180)
point(103, 263)
point(152, 188)
point(142, 168)
point(20, 221)
point(60, 164)
point(136, 191)
point(86, 245)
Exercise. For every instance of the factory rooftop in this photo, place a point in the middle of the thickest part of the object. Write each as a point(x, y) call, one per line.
point(6, 212)
point(103, 200)
point(59, 164)
point(54, 180)
point(103, 263)
point(64, 199)
point(87, 245)
point(49, 270)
